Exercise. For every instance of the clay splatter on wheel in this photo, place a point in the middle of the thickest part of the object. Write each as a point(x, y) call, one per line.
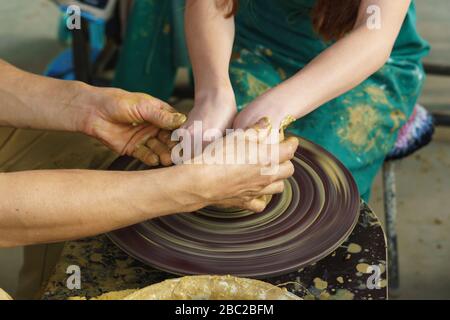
point(315, 214)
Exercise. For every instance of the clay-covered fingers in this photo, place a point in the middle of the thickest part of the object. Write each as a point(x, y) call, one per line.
point(259, 132)
point(161, 150)
point(268, 152)
point(287, 150)
point(286, 170)
point(255, 205)
point(159, 113)
point(165, 136)
point(274, 188)
point(154, 149)
point(146, 155)
point(251, 204)
point(137, 148)
point(274, 182)
point(284, 124)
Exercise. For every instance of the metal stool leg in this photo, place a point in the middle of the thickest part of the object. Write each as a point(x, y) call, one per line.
point(390, 210)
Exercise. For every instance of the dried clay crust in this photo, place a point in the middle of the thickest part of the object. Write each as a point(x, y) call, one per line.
point(212, 288)
point(203, 288)
point(4, 295)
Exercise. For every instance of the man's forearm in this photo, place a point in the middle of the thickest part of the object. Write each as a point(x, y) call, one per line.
point(210, 37)
point(37, 102)
point(51, 206)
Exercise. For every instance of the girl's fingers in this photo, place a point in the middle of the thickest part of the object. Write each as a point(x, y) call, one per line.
point(161, 150)
point(259, 131)
point(146, 155)
point(282, 135)
point(284, 124)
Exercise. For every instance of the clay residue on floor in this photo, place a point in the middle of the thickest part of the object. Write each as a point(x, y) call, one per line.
point(320, 284)
point(362, 267)
point(354, 248)
point(343, 294)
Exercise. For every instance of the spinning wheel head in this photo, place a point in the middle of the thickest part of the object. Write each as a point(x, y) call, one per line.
point(311, 218)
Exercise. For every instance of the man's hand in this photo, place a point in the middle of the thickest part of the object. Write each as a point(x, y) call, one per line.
point(243, 179)
point(133, 124)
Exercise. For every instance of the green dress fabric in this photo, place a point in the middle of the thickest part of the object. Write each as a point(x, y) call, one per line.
point(154, 48)
point(274, 40)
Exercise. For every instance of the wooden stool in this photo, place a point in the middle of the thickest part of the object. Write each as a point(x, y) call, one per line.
point(414, 135)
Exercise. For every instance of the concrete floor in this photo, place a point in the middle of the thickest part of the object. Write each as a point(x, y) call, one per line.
point(423, 180)
point(423, 220)
point(28, 40)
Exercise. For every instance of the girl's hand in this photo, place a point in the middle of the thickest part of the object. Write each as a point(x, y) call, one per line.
point(214, 110)
point(265, 106)
point(133, 124)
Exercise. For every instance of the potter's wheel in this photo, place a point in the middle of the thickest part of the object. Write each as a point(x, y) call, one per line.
point(314, 215)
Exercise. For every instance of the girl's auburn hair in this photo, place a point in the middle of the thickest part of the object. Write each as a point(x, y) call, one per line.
point(331, 19)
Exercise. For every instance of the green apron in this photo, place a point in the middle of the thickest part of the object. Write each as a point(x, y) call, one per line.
point(274, 40)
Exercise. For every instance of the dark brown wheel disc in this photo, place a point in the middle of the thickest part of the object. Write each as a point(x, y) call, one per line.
point(314, 215)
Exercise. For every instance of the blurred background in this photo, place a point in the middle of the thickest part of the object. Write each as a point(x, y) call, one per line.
point(28, 39)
